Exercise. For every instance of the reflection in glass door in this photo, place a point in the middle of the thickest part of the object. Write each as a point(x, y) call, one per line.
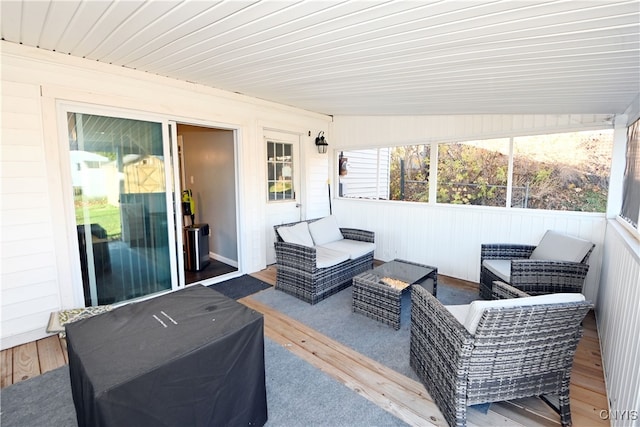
point(118, 176)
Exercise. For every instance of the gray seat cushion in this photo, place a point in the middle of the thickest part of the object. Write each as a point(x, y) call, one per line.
point(326, 257)
point(354, 248)
point(499, 267)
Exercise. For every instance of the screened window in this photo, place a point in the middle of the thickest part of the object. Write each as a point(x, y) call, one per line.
point(631, 191)
point(567, 171)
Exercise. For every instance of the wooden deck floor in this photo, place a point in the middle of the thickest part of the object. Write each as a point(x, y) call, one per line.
point(401, 396)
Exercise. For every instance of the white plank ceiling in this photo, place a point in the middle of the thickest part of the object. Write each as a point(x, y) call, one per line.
point(367, 57)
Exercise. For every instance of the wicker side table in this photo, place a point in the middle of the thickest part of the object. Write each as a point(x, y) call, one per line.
point(381, 302)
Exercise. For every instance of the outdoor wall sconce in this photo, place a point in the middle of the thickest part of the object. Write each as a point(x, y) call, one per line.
point(321, 143)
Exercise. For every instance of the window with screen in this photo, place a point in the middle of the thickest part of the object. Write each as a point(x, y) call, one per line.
point(630, 210)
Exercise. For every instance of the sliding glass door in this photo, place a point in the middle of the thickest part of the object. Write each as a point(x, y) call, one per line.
point(123, 199)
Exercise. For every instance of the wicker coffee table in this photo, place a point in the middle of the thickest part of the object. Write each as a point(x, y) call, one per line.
point(378, 293)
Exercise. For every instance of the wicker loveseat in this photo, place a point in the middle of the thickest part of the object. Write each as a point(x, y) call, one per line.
point(316, 258)
point(557, 264)
point(490, 351)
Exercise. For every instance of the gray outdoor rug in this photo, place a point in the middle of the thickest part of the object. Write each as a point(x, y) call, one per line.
point(240, 287)
point(335, 318)
point(297, 395)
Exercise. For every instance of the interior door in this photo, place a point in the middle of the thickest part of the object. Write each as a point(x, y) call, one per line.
point(121, 175)
point(282, 192)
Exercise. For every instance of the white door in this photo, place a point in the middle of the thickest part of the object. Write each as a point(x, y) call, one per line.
point(282, 191)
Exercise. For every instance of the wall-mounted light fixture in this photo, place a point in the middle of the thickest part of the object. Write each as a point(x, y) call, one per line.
point(321, 143)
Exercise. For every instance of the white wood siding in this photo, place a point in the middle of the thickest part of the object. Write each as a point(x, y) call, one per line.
point(315, 170)
point(29, 273)
point(40, 270)
point(366, 132)
point(618, 317)
point(449, 236)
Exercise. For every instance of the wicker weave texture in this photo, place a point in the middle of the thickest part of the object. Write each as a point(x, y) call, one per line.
point(376, 300)
point(502, 290)
point(516, 352)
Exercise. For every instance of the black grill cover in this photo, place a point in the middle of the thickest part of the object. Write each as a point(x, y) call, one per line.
point(189, 358)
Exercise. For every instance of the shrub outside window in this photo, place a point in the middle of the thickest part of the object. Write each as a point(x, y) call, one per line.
point(473, 172)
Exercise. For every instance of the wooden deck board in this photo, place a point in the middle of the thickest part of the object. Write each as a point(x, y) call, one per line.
point(6, 364)
point(25, 362)
point(527, 412)
point(393, 392)
point(50, 354)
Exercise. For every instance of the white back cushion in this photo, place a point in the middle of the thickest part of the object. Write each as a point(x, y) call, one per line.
point(325, 230)
point(298, 234)
point(477, 308)
point(555, 246)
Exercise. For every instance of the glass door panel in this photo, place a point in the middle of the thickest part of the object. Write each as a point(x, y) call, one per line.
point(120, 197)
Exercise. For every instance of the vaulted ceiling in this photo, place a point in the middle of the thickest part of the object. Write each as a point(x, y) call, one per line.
point(363, 57)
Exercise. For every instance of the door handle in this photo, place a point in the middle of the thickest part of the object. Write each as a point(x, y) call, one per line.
point(298, 205)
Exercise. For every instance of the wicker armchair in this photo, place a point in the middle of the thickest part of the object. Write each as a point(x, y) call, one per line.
point(514, 352)
point(557, 264)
